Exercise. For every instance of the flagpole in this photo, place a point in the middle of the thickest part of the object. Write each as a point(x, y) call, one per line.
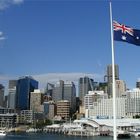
point(113, 79)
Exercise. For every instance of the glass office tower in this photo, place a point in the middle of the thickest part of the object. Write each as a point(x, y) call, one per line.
point(25, 85)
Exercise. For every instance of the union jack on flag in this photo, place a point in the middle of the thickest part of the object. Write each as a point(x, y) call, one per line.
point(126, 33)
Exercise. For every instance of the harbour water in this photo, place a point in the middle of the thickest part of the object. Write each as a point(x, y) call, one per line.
point(47, 136)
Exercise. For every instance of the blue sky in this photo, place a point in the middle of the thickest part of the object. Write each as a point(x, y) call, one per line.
point(59, 38)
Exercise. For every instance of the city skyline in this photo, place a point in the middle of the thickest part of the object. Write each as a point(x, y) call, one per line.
point(48, 38)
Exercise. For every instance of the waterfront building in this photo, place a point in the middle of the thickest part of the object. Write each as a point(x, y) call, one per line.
point(8, 120)
point(104, 108)
point(101, 126)
point(36, 100)
point(63, 109)
point(12, 94)
point(1, 95)
point(26, 116)
point(91, 98)
point(85, 85)
point(133, 102)
point(25, 85)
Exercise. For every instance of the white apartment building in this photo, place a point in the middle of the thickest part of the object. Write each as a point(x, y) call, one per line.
point(133, 102)
point(97, 104)
point(92, 97)
point(104, 108)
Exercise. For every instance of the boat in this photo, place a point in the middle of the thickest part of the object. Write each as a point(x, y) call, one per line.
point(123, 134)
point(2, 133)
point(31, 130)
point(135, 132)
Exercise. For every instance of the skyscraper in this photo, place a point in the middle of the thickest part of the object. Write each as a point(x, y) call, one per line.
point(138, 84)
point(36, 100)
point(109, 73)
point(109, 78)
point(12, 94)
point(85, 85)
point(58, 91)
point(63, 109)
point(65, 91)
point(70, 95)
point(1, 95)
point(25, 85)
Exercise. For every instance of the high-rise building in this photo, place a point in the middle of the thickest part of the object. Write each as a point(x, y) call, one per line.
point(49, 109)
point(25, 85)
point(104, 108)
point(1, 95)
point(133, 102)
point(120, 88)
point(109, 73)
point(138, 84)
point(63, 109)
point(65, 91)
point(70, 95)
point(109, 77)
point(36, 100)
point(85, 85)
point(12, 94)
point(103, 86)
point(58, 91)
point(49, 89)
point(93, 97)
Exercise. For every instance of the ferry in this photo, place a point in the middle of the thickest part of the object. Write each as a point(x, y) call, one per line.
point(2, 133)
point(123, 134)
point(135, 132)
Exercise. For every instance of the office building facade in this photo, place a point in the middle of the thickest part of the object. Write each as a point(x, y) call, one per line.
point(36, 100)
point(1, 95)
point(12, 94)
point(109, 73)
point(25, 85)
point(63, 109)
point(85, 85)
point(58, 91)
point(133, 102)
point(109, 78)
point(120, 88)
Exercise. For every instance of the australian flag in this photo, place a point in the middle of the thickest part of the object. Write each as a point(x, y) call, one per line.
point(126, 33)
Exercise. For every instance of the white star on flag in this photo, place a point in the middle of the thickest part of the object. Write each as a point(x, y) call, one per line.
point(137, 37)
point(124, 37)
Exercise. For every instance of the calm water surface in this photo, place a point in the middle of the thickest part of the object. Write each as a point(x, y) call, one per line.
point(46, 136)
